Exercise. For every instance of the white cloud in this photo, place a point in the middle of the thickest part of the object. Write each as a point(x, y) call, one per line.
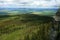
point(29, 3)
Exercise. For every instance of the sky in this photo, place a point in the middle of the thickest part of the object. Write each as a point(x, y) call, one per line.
point(29, 3)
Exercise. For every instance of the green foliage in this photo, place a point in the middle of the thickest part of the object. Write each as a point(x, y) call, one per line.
point(25, 27)
point(26, 37)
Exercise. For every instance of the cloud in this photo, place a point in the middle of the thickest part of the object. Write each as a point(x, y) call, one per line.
point(30, 3)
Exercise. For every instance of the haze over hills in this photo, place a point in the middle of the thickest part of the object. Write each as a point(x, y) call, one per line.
point(35, 9)
point(14, 11)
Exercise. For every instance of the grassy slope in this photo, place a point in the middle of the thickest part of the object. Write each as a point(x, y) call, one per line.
point(16, 27)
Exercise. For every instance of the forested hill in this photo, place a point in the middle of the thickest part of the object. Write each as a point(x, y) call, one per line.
point(24, 27)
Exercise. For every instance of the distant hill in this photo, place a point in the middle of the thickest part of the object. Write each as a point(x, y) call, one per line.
point(15, 11)
point(29, 9)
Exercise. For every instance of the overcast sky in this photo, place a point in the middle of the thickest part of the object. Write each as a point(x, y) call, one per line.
point(29, 3)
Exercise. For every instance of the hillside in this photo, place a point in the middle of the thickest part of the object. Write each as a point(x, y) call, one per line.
point(38, 11)
point(18, 27)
